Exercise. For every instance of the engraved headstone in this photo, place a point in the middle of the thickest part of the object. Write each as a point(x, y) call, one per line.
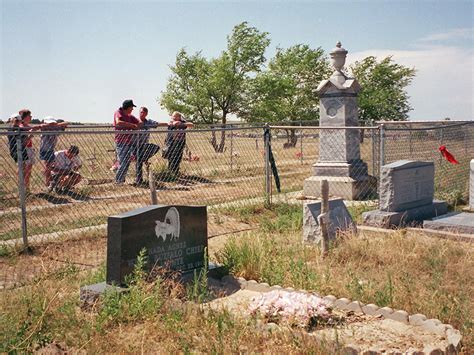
point(406, 184)
point(339, 220)
point(406, 195)
point(174, 236)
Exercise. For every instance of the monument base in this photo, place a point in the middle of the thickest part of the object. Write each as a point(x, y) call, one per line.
point(345, 187)
point(354, 169)
point(452, 222)
point(385, 219)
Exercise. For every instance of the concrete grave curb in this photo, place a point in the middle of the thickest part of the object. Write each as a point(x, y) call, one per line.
point(435, 326)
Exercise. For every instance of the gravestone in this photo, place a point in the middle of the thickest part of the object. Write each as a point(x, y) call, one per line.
point(406, 195)
point(339, 220)
point(339, 161)
point(174, 236)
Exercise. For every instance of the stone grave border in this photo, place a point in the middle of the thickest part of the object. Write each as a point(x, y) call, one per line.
point(453, 336)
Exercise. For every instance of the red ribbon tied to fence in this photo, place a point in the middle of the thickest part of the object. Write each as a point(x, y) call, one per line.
point(447, 155)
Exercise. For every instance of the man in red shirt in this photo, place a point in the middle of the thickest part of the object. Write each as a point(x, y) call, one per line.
point(124, 142)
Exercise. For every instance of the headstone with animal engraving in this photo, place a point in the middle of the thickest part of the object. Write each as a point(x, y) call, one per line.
point(173, 236)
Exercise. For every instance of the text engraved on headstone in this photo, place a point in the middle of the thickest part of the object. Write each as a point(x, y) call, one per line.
point(406, 184)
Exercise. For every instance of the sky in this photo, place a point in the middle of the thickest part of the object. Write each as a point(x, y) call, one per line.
point(78, 60)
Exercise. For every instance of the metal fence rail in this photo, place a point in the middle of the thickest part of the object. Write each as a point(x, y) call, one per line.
point(69, 226)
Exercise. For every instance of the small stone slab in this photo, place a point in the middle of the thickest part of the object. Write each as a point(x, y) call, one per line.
point(339, 220)
point(384, 219)
point(452, 222)
point(89, 294)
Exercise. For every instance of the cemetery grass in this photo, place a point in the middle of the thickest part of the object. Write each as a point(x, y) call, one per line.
point(403, 271)
point(154, 314)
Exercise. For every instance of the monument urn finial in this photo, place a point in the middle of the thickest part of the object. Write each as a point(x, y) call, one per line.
point(338, 57)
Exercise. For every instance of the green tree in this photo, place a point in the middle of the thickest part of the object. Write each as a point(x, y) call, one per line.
point(209, 90)
point(286, 92)
point(187, 89)
point(383, 95)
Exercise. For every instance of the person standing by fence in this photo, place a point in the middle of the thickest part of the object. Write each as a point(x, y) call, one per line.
point(175, 141)
point(145, 150)
point(124, 142)
point(48, 145)
point(27, 144)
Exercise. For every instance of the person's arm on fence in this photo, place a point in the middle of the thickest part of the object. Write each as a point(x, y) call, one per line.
point(119, 122)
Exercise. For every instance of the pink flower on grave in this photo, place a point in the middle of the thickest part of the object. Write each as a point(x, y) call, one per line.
point(292, 308)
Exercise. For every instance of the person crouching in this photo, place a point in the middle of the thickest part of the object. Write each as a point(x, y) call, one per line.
point(65, 170)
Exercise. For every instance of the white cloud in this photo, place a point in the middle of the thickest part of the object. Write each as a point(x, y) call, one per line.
point(456, 33)
point(443, 85)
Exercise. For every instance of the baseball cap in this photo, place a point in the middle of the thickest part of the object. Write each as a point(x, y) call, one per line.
point(128, 103)
point(50, 119)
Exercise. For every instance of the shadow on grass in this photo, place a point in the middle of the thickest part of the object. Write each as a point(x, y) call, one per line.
point(77, 196)
point(182, 179)
point(55, 200)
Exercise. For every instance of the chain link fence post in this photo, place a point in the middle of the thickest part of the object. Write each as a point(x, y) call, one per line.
point(374, 163)
point(301, 143)
point(381, 152)
point(266, 139)
point(410, 139)
point(231, 149)
point(382, 145)
point(22, 190)
point(441, 139)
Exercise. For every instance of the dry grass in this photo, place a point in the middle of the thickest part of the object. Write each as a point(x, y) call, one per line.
point(47, 316)
point(404, 271)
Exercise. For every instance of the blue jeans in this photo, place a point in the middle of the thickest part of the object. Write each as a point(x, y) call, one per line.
point(124, 152)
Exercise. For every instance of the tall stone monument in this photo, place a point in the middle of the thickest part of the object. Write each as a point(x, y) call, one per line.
point(339, 149)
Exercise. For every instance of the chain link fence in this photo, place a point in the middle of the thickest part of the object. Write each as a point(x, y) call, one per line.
point(220, 167)
point(415, 141)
